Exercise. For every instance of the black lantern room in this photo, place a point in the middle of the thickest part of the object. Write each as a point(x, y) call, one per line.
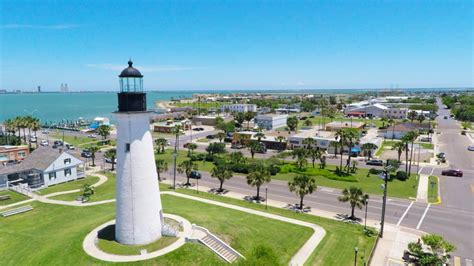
point(131, 97)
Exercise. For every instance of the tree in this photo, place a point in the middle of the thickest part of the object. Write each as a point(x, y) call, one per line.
point(302, 185)
point(356, 197)
point(161, 166)
point(335, 145)
point(421, 118)
point(111, 154)
point(259, 136)
point(215, 148)
point(439, 250)
point(87, 192)
point(399, 146)
point(307, 123)
point(191, 147)
point(341, 138)
point(254, 147)
point(383, 120)
point(309, 142)
point(352, 137)
point(314, 154)
point(280, 139)
point(257, 177)
point(248, 117)
point(391, 123)
point(300, 154)
point(406, 139)
point(221, 136)
point(412, 115)
point(292, 123)
point(240, 118)
point(412, 136)
point(93, 150)
point(368, 147)
point(187, 167)
point(322, 162)
point(161, 143)
point(222, 173)
point(354, 166)
point(103, 131)
point(237, 157)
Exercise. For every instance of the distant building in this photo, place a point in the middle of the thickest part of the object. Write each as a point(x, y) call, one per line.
point(288, 108)
point(13, 153)
point(400, 130)
point(336, 125)
point(322, 138)
point(366, 110)
point(181, 109)
point(271, 121)
point(395, 113)
point(239, 108)
point(206, 120)
point(168, 126)
point(44, 167)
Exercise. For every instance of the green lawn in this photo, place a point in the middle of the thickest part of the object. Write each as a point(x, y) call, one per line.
point(428, 146)
point(433, 196)
point(41, 236)
point(103, 192)
point(337, 247)
point(14, 197)
point(182, 155)
point(370, 184)
point(77, 184)
point(74, 140)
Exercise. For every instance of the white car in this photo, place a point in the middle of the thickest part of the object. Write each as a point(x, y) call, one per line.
point(470, 148)
point(44, 143)
point(69, 146)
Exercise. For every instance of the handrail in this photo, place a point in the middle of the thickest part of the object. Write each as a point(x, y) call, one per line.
point(218, 240)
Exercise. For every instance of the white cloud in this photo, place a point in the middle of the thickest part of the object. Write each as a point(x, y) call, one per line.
point(44, 27)
point(117, 67)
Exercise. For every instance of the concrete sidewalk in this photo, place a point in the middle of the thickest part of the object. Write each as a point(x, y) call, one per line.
point(422, 193)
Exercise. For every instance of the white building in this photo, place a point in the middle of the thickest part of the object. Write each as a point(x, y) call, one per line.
point(271, 121)
point(239, 108)
point(395, 113)
point(366, 110)
point(322, 138)
point(44, 167)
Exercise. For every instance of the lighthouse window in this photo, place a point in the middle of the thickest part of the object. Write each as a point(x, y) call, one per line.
point(127, 147)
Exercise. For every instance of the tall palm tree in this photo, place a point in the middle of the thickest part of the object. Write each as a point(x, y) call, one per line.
point(383, 120)
point(187, 167)
point(302, 185)
point(335, 145)
point(399, 146)
point(248, 117)
point(391, 122)
point(406, 140)
point(421, 118)
point(221, 136)
point(341, 139)
point(412, 115)
point(356, 197)
point(93, 150)
point(413, 135)
point(259, 135)
point(352, 137)
point(161, 143)
point(314, 154)
point(300, 154)
point(309, 142)
point(161, 166)
point(368, 148)
point(104, 131)
point(191, 147)
point(280, 140)
point(222, 173)
point(258, 177)
point(254, 146)
point(111, 154)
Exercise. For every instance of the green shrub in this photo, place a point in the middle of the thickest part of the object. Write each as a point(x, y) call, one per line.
point(374, 171)
point(402, 175)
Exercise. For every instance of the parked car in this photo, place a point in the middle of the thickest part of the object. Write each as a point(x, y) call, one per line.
point(69, 146)
point(441, 155)
point(109, 160)
point(425, 139)
point(236, 146)
point(44, 143)
point(375, 162)
point(92, 136)
point(45, 132)
point(58, 143)
point(86, 154)
point(33, 139)
point(210, 136)
point(470, 148)
point(445, 117)
point(195, 175)
point(452, 172)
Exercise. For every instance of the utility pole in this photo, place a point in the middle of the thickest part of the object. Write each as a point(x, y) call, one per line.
point(385, 177)
point(365, 220)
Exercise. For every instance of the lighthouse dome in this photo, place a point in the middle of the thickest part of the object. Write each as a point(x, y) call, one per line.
point(130, 71)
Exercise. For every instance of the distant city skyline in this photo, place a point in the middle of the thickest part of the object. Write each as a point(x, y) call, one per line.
point(240, 45)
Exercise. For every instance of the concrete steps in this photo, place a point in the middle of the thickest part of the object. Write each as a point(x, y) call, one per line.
point(223, 250)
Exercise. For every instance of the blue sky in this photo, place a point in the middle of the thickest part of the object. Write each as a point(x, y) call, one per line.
point(237, 44)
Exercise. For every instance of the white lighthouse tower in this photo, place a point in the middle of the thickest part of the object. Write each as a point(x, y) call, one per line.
point(139, 215)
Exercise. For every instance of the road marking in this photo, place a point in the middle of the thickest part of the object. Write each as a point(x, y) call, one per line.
point(421, 169)
point(405, 213)
point(432, 170)
point(457, 261)
point(423, 216)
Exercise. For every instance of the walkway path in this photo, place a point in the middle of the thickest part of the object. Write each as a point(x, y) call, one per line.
point(422, 193)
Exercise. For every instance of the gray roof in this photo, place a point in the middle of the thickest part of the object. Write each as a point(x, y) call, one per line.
point(39, 159)
point(130, 71)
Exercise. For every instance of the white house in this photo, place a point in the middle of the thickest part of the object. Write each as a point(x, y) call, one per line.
point(271, 121)
point(367, 110)
point(239, 108)
point(322, 138)
point(44, 167)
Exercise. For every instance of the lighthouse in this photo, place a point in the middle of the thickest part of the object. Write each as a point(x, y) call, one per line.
point(139, 215)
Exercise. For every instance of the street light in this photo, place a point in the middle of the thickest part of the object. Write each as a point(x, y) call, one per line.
point(365, 220)
point(266, 197)
point(356, 250)
point(384, 176)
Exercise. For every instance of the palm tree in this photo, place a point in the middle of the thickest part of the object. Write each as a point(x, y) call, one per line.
point(222, 173)
point(421, 118)
point(341, 138)
point(335, 145)
point(314, 154)
point(309, 141)
point(406, 139)
point(258, 177)
point(111, 154)
point(161, 166)
point(302, 185)
point(399, 146)
point(254, 146)
point(368, 147)
point(391, 122)
point(356, 197)
point(104, 131)
point(280, 139)
point(413, 135)
point(300, 154)
point(308, 123)
point(248, 117)
point(161, 143)
point(259, 136)
point(221, 136)
point(412, 115)
point(352, 137)
point(187, 167)
point(236, 157)
point(191, 147)
point(383, 120)
point(93, 150)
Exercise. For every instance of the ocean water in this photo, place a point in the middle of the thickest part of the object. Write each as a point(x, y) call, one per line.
point(54, 107)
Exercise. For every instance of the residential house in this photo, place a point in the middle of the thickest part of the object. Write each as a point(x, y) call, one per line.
point(170, 125)
point(239, 108)
point(13, 153)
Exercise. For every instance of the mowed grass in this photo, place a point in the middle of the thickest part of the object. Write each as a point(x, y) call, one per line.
point(71, 185)
point(433, 196)
point(41, 236)
point(337, 247)
point(74, 140)
point(14, 197)
point(369, 184)
point(182, 156)
point(103, 192)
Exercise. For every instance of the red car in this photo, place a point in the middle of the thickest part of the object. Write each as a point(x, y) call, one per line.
point(452, 172)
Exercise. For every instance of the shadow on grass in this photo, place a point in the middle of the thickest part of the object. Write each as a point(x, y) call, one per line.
point(107, 233)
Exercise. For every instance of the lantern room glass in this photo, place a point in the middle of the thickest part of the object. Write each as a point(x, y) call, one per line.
point(131, 84)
